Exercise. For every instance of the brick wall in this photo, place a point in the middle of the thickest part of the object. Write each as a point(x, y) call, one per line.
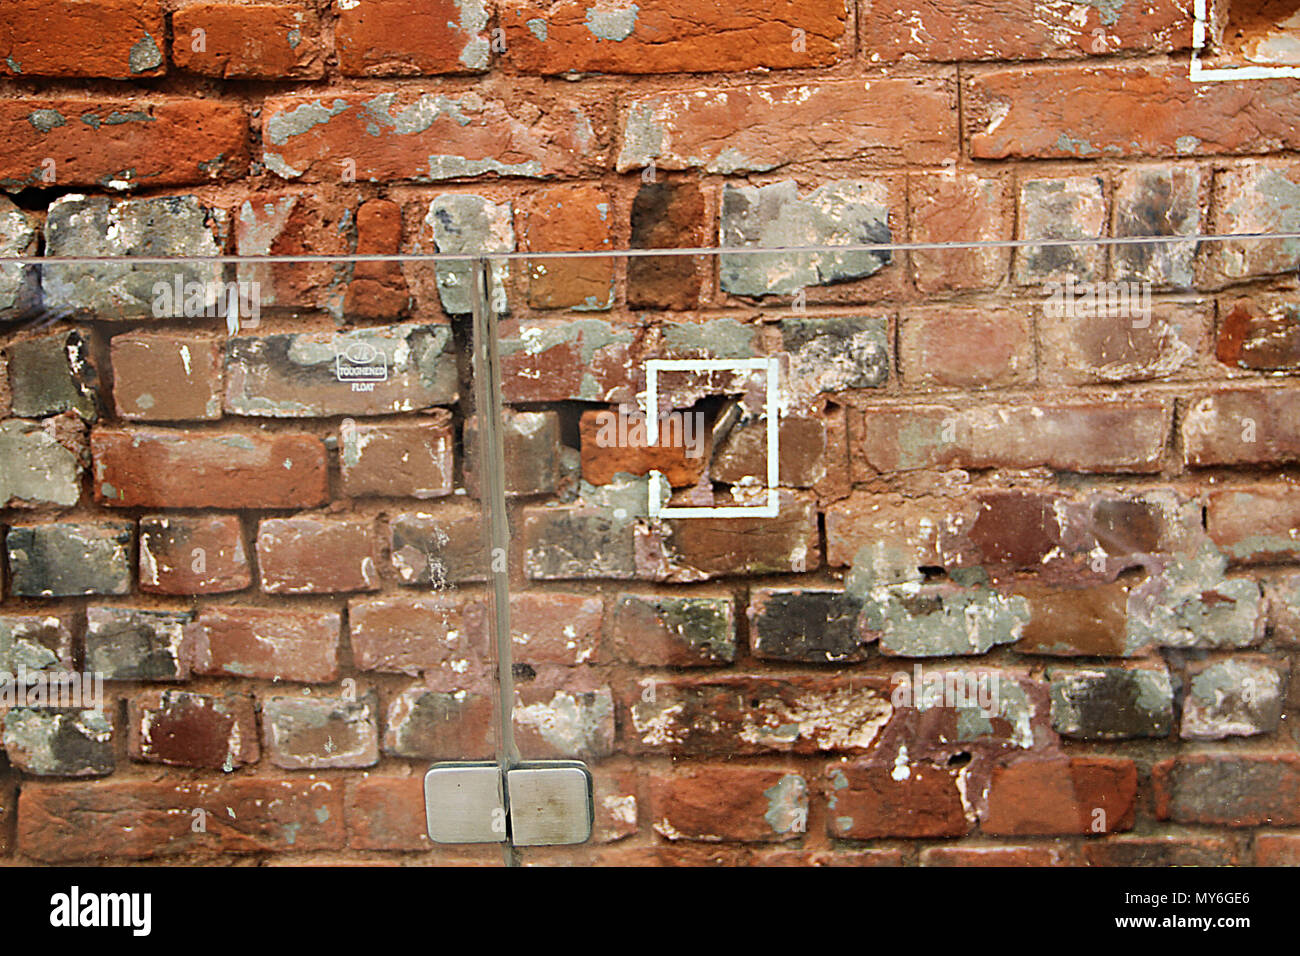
point(283, 579)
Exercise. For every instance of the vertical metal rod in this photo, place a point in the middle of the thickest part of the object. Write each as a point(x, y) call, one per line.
point(492, 498)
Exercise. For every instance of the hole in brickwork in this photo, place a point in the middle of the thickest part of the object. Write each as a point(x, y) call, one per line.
point(959, 760)
point(1262, 31)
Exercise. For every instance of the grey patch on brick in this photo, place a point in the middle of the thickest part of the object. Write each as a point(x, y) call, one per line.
point(775, 215)
point(145, 55)
point(1157, 202)
point(812, 626)
point(59, 742)
point(1190, 603)
point(312, 733)
point(464, 223)
point(33, 643)
point(35, 467)
point(1233, 698)
point(940, 620)
point(65, 560)
point(476, 54)
point(1111, 703)
point(574, 723)
point(787, 804)
point(19, 284)
point(625, 497)
point(136, 644)
point(420, 553)
point(97, 226)
point(580, 543)
point(52, 374)
point(1071, 208)
point(717, 338)
point(835, 353)
point(706, 625)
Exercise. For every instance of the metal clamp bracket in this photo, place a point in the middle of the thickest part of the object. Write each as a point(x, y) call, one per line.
point(541, 803)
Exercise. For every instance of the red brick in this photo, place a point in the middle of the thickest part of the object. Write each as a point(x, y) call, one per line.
point(549, 627)
point(298, 223)
point(952, 207)
point(1089, 621)
point(1259, 332)
point(432, 724)
point(309, 555)
point(192, 730)
point(1229, 789)
point(414, 635)
point(121, 39)
point(159, 468)
point(398, 460)
point(166, 377)
point(161, 141)
point(140, 819)
point(802, 456)
point(561, 218)
point(1256, 523)
point(1083, 112)
point(673, 36)
point(267, 644)
point(193, 555)
point(469, 134)
point(440, 547)
point(956, 347)
point(386, 813)
point(377, 290)
point(951, 30)
point(696, 549)
point(411, 37)
point(882, 798)
point(530, 443)
point(553, 360)
point(667, 215)
point(1242, 426)
point(1277, 849)
point(1079, 350)
point(729, 804)
point(753, 128)
point(1091, 436)
point(617, 441)
point(1004, 856)
point(1161, 851)
point(1061, 796)
point(272, 41)
point(838, 857)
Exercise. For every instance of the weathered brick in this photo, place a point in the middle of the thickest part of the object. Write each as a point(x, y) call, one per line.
point(50, 374)
point(411, 38)
point(19, 236)
point(1001, 856)
point(193, 555)
point(35, 643)
point(41, 462)
point(663, 631)
point(121, 143)
point(1255, 523)
point(549, 627)
point(158, 226)
point(745, 714)
point(554, 360)
point(885, 798)
point(1070, 208)
point(307, 374)
point(755, 128)
point(464, 223)
point(809, 625)
point(386, 813)
point(265, 643)
point(1284, 610)
point(577, 542)
point(574, 719)
point(1242, 426)
point(1083, 795)
point(673, 36)
point(273, 41)
point(667, 215)
point(840, 213)
point(298, 223)
point(140, 819)
point(440, 725)
point(438, 548)
point(1260, 332)
point(741, 804)
point(424, 137)
point(949, 31)
point(1083, 436)
point(407, 460)
point(1172, 340)
point(1083, 112)
point(166, 377)
point(1161, 851)
point(315, 733)
point(1112, 703)
point(956, 347)
point(59, 742)
point(309, 555)
point(1233, 697)
point(564, 218)
point(802, 453)
point(185, 729)
point(952, 207)
point(1257, 198)
point(164, 468)
point(530, 444)
point(125, 643)
point(1190, 602)
point(414, 635)
point(1277, 849)
point(939, 620)
point(1164, 201)
point(119, 39)
point(1231, 790)
point(70, 558)
point(834, 353)
point(8, 812)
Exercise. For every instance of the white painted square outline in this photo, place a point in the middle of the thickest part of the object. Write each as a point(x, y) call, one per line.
point(1200, 74)
point(769, 365)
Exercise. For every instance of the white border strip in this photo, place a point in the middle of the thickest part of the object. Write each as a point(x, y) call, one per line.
point(773, 369)
point(1200, 74)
